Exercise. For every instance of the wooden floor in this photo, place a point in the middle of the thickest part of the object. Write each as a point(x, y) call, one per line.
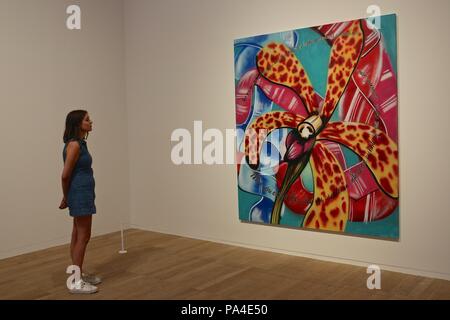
point(161, 266)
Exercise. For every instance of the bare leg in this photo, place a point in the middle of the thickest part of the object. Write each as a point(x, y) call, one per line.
point(83, 226)
point(73, 241)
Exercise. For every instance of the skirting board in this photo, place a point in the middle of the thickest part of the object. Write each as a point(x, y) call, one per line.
point(55, 242)
point(51, 243)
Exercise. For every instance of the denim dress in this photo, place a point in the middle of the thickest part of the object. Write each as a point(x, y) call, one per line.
point(81, 195)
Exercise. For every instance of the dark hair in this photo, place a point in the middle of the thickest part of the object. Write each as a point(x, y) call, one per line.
point(73, 125)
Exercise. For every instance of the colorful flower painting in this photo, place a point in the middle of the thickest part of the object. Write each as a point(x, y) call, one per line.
point(317, 120)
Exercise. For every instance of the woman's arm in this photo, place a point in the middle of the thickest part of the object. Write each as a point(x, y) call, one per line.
point(72, 154)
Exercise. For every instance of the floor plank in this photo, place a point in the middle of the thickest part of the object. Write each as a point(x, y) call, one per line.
point(162, 266)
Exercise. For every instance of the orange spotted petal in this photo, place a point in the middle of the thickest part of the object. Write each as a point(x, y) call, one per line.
point(278, 64)
point(331, 204)
point(260, 129)
point(377, 149)
point(344, 56)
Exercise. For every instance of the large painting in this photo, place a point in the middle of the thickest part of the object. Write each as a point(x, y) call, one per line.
point(317, 123)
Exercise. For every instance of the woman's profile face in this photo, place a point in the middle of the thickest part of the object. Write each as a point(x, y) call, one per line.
point(86, 124)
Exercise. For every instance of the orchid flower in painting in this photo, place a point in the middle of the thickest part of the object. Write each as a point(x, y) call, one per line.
point(312, 131)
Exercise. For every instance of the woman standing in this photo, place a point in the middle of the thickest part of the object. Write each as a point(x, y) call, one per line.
point(78, 186)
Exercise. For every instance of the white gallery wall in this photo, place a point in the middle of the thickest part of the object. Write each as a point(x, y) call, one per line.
point(143, 68)
point(179, 68)
point(46, 71)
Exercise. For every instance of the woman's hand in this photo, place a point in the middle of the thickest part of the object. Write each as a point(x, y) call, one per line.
point(63, 204)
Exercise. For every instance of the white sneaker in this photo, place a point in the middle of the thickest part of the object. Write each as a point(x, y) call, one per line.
point(91, 278)
point(83, 287)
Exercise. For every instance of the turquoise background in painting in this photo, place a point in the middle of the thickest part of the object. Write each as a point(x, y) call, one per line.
point(388, 28)
point(314, 57)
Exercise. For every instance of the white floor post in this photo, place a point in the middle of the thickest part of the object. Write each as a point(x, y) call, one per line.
point(122, 251)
